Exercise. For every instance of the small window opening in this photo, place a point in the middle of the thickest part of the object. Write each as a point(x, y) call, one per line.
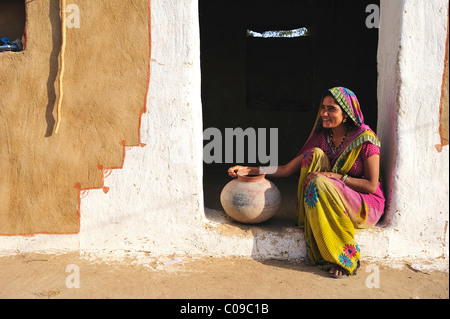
point(12, 26)
point(279, 69)
point(294, 33)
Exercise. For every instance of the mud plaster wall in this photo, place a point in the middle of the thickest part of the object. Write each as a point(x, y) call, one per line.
point(105, 86)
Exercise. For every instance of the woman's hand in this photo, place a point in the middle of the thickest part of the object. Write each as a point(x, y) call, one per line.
point(313, 175)
point(232, 171)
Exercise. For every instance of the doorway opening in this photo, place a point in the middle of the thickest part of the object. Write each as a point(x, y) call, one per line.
point(268, 82)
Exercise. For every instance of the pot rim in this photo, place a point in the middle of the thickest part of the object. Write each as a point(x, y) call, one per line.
point(243, 176)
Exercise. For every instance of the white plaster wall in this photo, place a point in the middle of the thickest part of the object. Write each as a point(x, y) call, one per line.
point(411, 66)
point(155, 203)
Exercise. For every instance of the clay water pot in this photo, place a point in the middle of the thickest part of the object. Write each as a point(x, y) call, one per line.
point(250, 199)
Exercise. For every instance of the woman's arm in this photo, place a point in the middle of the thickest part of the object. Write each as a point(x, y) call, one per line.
point(270, 171)
point(368, 184)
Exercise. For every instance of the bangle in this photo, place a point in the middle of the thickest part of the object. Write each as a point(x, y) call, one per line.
point(345, 178)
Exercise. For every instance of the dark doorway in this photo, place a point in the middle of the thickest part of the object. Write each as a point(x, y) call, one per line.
point(278, 82)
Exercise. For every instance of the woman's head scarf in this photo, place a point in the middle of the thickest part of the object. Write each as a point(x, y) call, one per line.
point(350, 104)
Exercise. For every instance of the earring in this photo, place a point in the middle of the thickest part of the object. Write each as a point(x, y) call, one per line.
point(345, 119)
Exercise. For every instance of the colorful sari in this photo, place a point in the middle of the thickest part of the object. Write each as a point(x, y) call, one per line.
point(328, 210)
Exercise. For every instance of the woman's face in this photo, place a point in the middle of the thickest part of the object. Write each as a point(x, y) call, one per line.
point(331, 113)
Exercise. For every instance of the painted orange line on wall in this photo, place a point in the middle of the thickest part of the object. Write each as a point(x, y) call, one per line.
point(443, 131)
point(123, 143)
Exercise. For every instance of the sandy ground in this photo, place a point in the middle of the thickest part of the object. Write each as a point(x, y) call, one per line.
point(64, 276)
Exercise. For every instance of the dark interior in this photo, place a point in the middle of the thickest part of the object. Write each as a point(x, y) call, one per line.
point(278, 82)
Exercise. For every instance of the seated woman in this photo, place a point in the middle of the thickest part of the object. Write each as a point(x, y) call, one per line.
point(339, 189)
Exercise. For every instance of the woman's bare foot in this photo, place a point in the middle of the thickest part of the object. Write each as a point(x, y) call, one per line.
point(337, 272)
